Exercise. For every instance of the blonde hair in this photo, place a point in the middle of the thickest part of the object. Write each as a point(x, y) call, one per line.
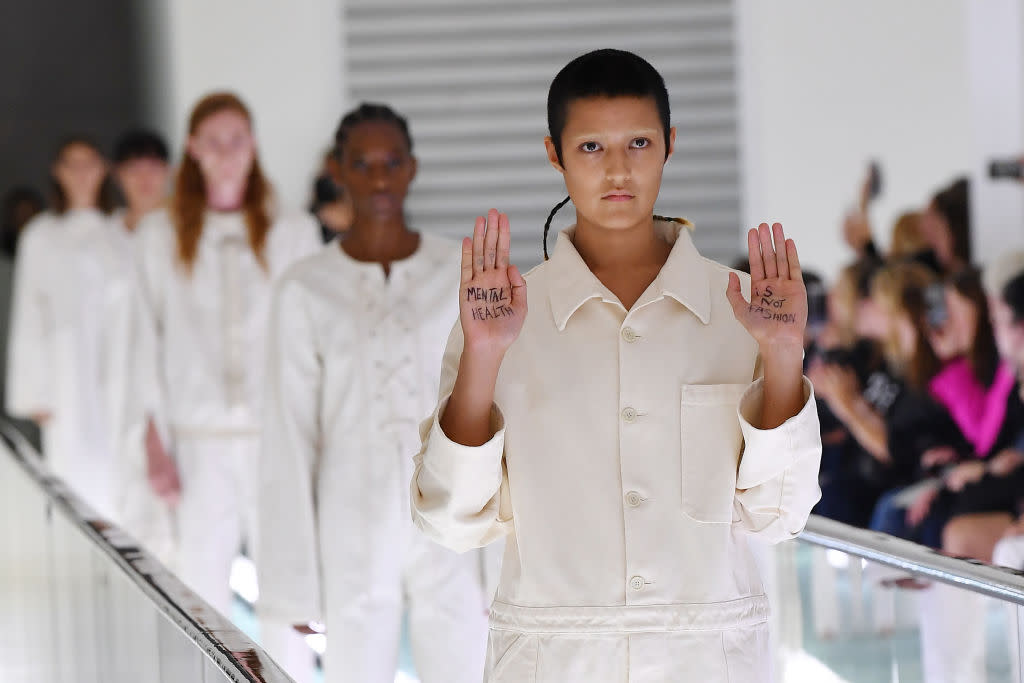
point(899, 290)
point(906, 236)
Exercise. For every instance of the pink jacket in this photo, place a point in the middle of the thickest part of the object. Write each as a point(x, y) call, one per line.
point(978, 411)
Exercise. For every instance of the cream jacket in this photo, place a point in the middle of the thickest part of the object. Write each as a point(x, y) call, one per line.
point(626, 474)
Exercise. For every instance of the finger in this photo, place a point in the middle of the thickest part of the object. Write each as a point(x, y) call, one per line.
point(478, 244)
point(504, 242)
point(795, 271)
point(771, 268)
point(754, 254)
point(491, 240)
point(734, 293)
point(518, 283)
point(467, 260)
point(781, 260)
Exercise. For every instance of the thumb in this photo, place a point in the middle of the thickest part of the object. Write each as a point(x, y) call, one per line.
point(518, 283)
point(734, 293)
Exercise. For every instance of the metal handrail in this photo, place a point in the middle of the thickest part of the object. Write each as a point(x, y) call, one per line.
point(997, 582)
point(230, 649)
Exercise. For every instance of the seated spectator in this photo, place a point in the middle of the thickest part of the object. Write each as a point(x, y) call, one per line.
point(915, 427)
point(993, 494)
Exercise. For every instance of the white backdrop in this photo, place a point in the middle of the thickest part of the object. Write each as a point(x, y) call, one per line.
point(930, 89)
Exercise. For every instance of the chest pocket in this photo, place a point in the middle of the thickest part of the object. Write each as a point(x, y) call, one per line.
point(711, 442)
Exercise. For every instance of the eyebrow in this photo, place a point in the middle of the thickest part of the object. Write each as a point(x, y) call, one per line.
point(633, 133)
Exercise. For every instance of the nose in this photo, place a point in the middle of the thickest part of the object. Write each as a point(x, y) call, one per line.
point(380, 176)
point(617, 170)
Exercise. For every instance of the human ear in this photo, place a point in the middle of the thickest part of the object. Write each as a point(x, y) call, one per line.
point(671, 143)
point(414, 166)
point(549, 145)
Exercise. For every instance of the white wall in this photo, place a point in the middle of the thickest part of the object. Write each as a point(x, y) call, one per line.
point(827, 85)
point(930, 89)
point(285, 59)
point(995, 55)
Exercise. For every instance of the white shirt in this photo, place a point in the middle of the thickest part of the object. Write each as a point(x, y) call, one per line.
point(354, 361)
point(199, 342)
point(72, 279)
point(625, 473)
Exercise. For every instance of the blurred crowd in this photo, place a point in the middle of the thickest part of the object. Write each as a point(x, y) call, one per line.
point(916, 355)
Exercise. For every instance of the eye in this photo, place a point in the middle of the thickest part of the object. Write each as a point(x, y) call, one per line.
point(394, 163)
point(359, 165)
point(640, 143)
point(590, 147)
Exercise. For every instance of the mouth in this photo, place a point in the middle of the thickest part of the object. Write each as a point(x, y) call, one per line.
point(383, 201)
point(617, 197)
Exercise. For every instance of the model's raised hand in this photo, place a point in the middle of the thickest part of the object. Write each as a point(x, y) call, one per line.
point(493, 292)
point(776, 314)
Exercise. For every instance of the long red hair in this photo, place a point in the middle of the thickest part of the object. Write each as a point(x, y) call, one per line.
point(188, 204)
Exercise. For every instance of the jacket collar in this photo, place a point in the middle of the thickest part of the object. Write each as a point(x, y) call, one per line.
point(683, 277)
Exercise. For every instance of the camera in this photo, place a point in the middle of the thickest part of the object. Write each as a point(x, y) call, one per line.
point(936, 312)
point(1006, 168)
point(838, 356)
point(326, 191)
point(817, 304)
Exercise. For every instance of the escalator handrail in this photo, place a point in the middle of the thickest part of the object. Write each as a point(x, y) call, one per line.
point(1001, 583)
point(234, 653)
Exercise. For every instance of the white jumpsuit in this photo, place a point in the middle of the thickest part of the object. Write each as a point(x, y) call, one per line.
point(71, 283)
point(198, 356)
point(625, 474)
point(354, 360)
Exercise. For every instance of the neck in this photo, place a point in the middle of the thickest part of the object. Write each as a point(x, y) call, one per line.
point(603, 248)
point(225, 197)
point(133, 214)
point(75, 203)
point(377, 240)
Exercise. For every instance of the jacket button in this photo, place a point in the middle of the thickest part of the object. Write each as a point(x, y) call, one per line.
point(633, 499)
point(637, 583)
point(629, 334)
point(629, 414)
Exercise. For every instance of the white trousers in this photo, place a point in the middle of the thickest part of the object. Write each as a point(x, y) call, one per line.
point(952, 622)
point(441, 593)
point(1009, 552)
point(215, 517)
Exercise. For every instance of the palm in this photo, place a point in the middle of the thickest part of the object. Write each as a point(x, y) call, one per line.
point(776, 314)
point(492, 296)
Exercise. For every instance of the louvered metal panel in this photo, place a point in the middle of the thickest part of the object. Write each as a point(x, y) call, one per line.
point(472, 77)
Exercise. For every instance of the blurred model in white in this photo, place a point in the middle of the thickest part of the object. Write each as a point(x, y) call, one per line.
point(206, 265)
point(357, 336)
point(68, 282)
point(142, 171)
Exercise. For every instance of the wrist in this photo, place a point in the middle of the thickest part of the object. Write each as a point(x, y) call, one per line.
point(484, 359)
point(785, 356)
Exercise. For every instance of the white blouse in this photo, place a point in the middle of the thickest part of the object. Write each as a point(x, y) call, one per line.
point(625, 473)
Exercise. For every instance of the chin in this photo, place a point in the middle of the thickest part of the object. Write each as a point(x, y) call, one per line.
point(621, 219)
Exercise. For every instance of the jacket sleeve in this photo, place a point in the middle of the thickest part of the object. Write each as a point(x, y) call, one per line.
point(777, 479)
point(31, 352)
point(286, 546)
point(460, 495)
